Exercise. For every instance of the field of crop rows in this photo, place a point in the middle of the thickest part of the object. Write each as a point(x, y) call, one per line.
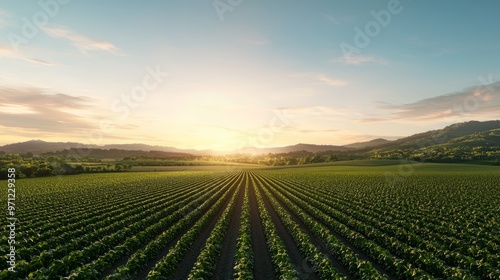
point(262, 224)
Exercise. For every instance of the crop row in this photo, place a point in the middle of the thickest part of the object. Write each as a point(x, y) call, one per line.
point(281, 261)
point(168, 264)
point(322, 213)
point(78, 194)
point(411, 249)
point(432, 242)
point(207, 260)
point(60, 260)
point(100, 241)
point(76, 217)
point(484, 242)
point(320, 262)
point(362, 269)
point(70, 232)
point(243, 260)
point(185, 218)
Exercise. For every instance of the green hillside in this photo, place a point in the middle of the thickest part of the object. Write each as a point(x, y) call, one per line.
point(469, 141)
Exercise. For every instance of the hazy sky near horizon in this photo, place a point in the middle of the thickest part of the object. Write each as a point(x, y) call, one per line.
point(231, 73)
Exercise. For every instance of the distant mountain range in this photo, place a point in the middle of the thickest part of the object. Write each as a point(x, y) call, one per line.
point(293, 148)
point(468, 133)
point(40, 147)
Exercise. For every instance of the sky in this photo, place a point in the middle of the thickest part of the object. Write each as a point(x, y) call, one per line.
point(228, 74)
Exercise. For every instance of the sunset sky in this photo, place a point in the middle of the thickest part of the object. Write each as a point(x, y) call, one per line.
point(227, 74)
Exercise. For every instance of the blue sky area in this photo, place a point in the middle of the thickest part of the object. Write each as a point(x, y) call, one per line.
point(232, 73)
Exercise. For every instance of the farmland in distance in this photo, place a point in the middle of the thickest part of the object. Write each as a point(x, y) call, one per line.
point(413, 221)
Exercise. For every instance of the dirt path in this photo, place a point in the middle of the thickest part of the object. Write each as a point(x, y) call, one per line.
point(263, 265)
point(300, 263)
point(224, 268)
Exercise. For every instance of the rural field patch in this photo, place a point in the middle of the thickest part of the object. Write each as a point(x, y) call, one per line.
point(302, 223)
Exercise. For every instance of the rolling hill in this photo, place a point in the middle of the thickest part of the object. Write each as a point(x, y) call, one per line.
point(38, 147)
point(293, 148)
point(367, 144)
point(466, 134)
point(446, 136)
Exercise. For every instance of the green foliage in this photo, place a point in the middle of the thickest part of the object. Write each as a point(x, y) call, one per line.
point(243, 264)
point(28, 166)
point(282, 263)
point(440, 221)
point(415, 221)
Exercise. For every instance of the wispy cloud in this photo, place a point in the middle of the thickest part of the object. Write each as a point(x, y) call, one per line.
point(321, 78)
point(309, 110)
point(37, 110)
point(4, 18)
point(81, 42)
point(481, 102)
point(360, 59)
point(8, 52)
point(330, 81)
point(307, 130)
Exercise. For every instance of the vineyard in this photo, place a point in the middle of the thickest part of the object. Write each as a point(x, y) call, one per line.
point(297, 223)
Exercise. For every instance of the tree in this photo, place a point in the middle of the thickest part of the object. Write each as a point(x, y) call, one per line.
point(43, 172)
point(78, 169)
point(28, 170)
point(331, 158)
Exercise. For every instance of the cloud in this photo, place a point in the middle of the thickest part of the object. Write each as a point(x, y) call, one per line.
point(4, 18)
point(360, 59)
point(477, 102)
point(322, 78)
point(81, 42)
point(39, 61)
point(332, 82)
point(36, 110)
point(8, 52)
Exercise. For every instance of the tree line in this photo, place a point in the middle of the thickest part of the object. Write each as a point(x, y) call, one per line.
point(29, 166)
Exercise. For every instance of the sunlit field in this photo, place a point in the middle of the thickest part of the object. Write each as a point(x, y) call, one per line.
point(250, 140)
point(324, 222)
